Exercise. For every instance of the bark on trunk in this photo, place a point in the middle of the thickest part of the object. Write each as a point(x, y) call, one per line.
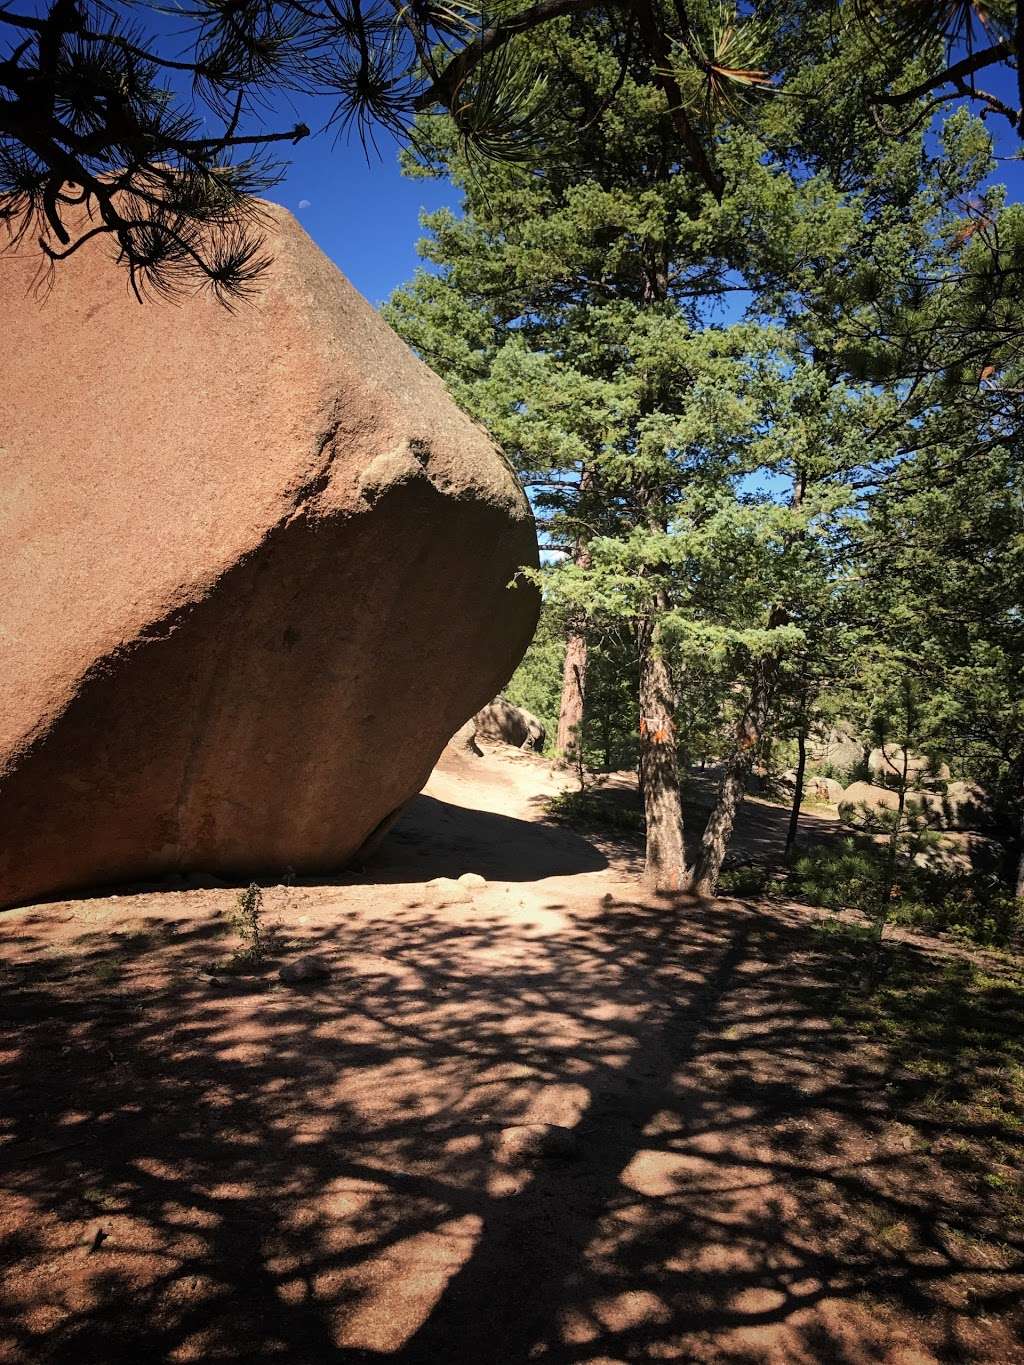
point(894, 839)
point(574, 686)
point(718, 830)
point(569, 737)
point(1019, 890)
point(798, 795)
point(665, 868)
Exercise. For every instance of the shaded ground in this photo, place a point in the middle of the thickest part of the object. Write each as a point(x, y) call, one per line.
point(208, 1168)
point(761, 826)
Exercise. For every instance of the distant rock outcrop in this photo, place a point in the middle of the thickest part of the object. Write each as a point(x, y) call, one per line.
point(507, 724)
point(927, 805)
point(886, 767)
point(861, 796)
point(824, 789)
point(254, 572)
point(962, 807)
point(836, 747)
point(967, 806)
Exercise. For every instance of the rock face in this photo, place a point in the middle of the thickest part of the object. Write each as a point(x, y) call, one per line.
point(253, 574)
point(887, 767)
point(836, 747)
point(508, 724)
point(961, 851)
point(967, 806)
point(463, 742)
point(824, 789)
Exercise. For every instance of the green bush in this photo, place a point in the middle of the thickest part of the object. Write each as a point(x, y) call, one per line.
point(749, 880)
point(973, 908)
point(247, 921)
point(844, 776)
point(845, 876)
point(597, 811)
point(851, 875)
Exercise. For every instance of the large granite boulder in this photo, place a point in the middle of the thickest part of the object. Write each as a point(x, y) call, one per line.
point(254, 572)
point(825, 789)
point(886, 767)
point(961, 851)
point(967, 806)
point(860, 801)
point(836, 747)
point(502, 722)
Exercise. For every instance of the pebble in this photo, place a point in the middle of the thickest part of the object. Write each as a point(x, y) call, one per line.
point(447, 891)
point(526, 1142)
point(304, 969)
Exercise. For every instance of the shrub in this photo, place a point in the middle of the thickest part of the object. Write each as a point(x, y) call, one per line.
point(975, 907)
point(597, 811)
point(247, 920)
point(846, 876)
point(749, 880)
point(845, 775)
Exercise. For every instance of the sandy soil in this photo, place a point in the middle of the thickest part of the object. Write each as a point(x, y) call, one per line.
point(207, 1167)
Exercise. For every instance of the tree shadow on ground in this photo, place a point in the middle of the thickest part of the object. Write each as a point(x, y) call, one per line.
point(431, 838)
point(761, 825)
point(435, 838)
point(197, 1171)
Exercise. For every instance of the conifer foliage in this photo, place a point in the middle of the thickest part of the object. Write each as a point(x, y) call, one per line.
point(714, 400)
point(158, 124)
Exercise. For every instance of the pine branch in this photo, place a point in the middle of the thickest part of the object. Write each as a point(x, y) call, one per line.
point(445, 88)
point(959, 71)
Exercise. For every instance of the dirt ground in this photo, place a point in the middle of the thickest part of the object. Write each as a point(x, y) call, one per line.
point(206, 1167)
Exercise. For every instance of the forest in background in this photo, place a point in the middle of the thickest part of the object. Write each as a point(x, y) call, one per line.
point(772, 439)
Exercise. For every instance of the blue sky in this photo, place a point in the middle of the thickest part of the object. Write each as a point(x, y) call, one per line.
point(364, 216)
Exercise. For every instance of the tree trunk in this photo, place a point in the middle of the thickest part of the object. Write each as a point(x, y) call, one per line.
point(894, 839)
point(574, 684)
point(569, 738)
point(665, 868)
point(1019, 889)
point(703, 877)
point(798, 795)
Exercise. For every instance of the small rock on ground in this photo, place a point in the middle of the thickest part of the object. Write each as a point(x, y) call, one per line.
point(304, 969)
point(447, 891)
point(528, 1142)
point(473, 880)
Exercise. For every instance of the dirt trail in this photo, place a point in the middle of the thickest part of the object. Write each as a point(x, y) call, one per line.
point(208, 1168)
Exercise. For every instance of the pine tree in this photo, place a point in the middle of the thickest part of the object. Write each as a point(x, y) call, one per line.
point(573, 314)
point(943, 556)
point(161, 139)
